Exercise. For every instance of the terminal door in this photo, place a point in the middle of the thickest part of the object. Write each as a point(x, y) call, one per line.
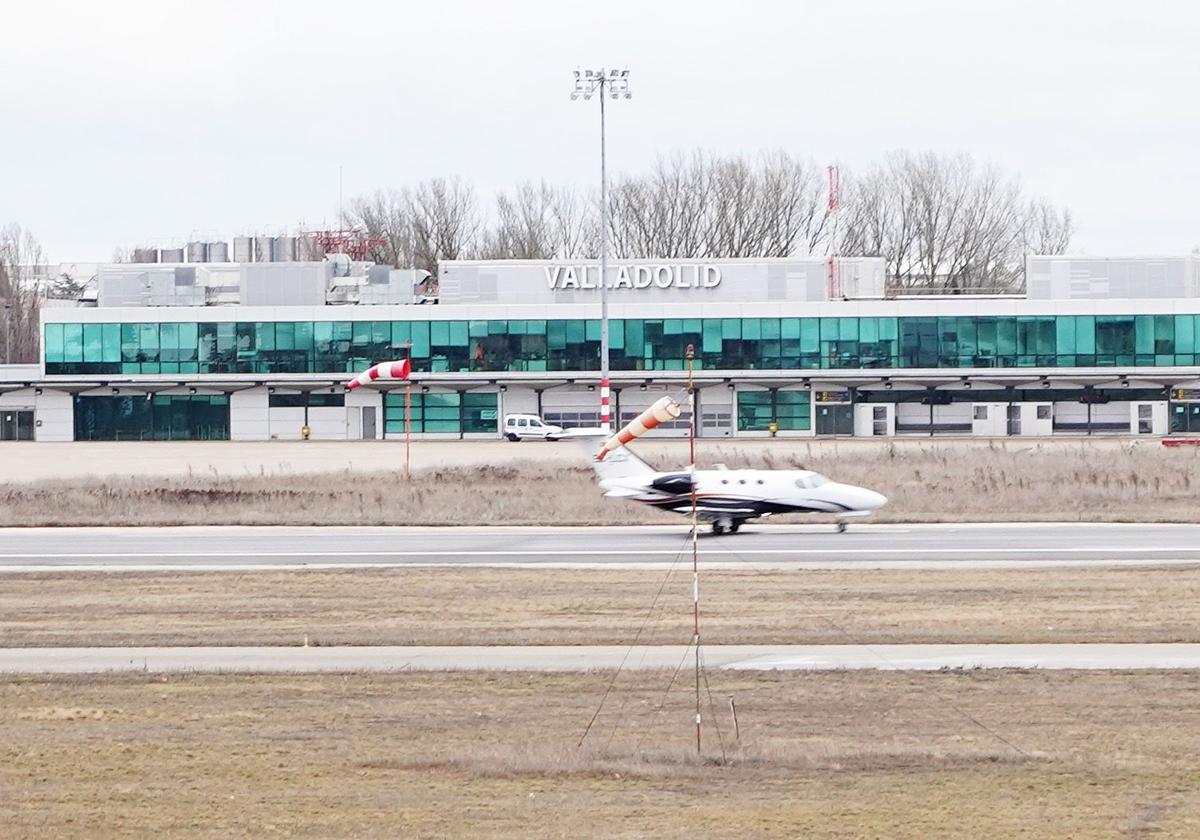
point(835, 419)
point(1185, 417)
point(16, 425)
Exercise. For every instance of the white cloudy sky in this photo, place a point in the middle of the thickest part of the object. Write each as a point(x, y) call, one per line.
point(129, 121)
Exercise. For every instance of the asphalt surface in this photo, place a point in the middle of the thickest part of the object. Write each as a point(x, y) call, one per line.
point(243, 660)
point(654, 547)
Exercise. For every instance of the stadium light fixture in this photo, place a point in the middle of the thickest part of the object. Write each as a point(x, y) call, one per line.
point(614, 82)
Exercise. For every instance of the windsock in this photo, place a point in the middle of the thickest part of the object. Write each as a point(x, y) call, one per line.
point(662, 411)
point(383, 370)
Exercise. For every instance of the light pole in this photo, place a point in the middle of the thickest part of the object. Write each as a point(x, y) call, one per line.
point(614, 83)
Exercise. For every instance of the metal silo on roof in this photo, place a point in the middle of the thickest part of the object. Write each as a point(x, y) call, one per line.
point(284, 249)
point(170, 255)
point(197, 252)
point(218, 252)
point(262, 248)
point(144, 255)
point(243, 249)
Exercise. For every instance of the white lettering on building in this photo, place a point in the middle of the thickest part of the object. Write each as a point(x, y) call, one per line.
point(635, 276)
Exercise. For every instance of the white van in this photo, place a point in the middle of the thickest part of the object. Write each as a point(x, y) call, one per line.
point(521, 426)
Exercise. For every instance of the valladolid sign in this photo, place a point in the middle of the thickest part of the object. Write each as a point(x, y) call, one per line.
point(635, 276)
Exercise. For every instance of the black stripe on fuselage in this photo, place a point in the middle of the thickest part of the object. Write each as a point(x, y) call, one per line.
point(742, 507)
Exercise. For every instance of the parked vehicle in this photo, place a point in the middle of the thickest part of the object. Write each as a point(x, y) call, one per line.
point(530, 427)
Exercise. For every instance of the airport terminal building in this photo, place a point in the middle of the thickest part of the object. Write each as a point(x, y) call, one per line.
point(792, 347)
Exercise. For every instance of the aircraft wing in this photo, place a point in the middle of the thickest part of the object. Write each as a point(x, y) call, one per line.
point(623, 493)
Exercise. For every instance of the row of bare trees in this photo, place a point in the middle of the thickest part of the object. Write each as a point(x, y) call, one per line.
point(948, 224)
point(944, 223)
point(21, 294)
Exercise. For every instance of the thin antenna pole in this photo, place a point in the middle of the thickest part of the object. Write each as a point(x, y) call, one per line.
point(691, 356)
point(341, 213)
point(835, 201)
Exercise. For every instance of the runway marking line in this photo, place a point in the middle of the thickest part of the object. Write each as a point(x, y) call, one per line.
point(618, 566)
point(613, 553)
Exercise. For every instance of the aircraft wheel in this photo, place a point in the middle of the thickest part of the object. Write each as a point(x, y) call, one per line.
point(841, 527)
point(734, 526)
point(718, 528)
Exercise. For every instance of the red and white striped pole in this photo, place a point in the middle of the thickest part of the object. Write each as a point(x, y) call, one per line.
point(605, 410)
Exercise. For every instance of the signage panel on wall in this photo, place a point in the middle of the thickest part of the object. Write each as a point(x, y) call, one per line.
point(635, 276)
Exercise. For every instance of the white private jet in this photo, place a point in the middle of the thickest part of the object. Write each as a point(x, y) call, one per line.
point(726, 497)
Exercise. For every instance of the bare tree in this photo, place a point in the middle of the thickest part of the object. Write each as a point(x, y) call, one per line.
point(948, 224)
point(943, 223)
point(878, 218)
point(445, 222)
point(537, 221)
point(1048, 229)
point(22, 267)
point(575, 223)
point(775, 208)
point(663, 213)
point(706, 206)
point(383, 215)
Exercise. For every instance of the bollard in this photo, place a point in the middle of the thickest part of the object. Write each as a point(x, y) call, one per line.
point(305, 431)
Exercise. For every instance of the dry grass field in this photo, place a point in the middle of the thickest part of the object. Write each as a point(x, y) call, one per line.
point(508, 606)
point(852, 754)
point(1108, 481)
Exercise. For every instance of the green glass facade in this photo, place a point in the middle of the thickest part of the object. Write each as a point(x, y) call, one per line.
point(161, 417)
point(636, 344)
point(790, 410)
point(467, 412)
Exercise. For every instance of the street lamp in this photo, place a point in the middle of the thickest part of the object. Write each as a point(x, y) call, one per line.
point(613, 83)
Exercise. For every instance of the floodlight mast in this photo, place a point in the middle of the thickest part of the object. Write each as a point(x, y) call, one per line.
point(615, 83)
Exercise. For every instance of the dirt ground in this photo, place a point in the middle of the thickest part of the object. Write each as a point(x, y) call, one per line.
point(509, 606)
point(851, 754)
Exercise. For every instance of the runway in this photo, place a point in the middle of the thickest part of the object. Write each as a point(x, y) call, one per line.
point(243, 660)
point(246, 549)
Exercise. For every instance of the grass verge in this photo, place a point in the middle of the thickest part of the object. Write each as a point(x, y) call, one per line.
point(897, 755)
point(509, 606)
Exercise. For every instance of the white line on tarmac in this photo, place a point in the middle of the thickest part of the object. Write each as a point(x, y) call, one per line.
point(565, 552)
point(595, 657)
point(621, 566)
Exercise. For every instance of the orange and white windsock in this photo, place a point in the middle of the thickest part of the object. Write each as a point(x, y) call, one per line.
point(382, 371)
point(662, 411)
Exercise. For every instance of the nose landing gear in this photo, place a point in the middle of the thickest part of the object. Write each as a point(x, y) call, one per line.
point(841, 527)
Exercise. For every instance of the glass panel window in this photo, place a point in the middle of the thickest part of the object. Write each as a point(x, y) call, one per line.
point(54, 343)
point(111, 343)
point(754, 411)
point(168, 342)
point(93, 348)
point(479, 413)
point(561, 345)
point(793, 410)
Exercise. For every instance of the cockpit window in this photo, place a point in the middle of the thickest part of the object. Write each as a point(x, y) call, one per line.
point(808, 482)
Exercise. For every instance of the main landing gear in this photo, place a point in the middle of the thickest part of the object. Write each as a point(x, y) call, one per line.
point(841, 527)
point(719, 526)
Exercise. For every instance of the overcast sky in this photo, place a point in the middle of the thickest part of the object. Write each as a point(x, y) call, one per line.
point(127, 122)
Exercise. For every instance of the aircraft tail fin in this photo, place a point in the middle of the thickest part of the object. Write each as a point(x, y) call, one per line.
point(619, 463)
